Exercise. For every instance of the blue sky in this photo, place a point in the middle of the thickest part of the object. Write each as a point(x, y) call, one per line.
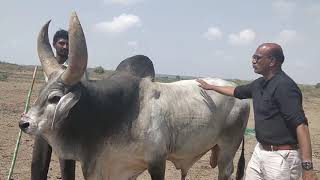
point(182, 37)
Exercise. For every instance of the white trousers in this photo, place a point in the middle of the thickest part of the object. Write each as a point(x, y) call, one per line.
point(274, 165)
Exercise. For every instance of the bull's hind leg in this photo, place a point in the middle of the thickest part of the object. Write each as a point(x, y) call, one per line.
point(225, 158)
point(230, 140)
point(228, 145)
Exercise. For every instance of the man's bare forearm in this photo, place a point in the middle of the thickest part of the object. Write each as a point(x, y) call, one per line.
point(306, 151)
point(304, 142)
point(225, 90)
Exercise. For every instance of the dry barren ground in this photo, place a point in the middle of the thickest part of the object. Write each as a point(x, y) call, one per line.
point(13, 93)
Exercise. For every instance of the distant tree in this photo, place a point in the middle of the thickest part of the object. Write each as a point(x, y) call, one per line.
point(317, 85)
point(99, 70)
point(178, 78)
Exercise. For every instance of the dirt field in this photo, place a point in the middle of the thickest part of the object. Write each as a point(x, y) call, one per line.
point(13, 93)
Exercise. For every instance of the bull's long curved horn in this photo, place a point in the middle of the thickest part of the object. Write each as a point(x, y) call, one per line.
point(46, 56)
point(78, 55)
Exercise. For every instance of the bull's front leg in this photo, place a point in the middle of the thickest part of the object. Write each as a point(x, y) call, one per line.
point(156, 145)
point(41, 157)
point(157, 169)
point(156, 155)
point(68, 168)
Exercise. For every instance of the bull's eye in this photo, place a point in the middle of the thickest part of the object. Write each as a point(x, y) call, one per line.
point(54, 99)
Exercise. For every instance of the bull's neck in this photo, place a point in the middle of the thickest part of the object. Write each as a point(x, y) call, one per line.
point(106, 108)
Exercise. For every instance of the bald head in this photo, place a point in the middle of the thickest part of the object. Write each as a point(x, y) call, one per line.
point(272, 49)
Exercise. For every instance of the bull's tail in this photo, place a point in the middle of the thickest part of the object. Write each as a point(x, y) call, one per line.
point(241, 163)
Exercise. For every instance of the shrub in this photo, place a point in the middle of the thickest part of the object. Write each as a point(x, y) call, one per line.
point(3, 76)
point(99, 70)
point(317, 85)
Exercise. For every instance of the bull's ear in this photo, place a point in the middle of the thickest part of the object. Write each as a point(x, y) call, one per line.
point(64, 106)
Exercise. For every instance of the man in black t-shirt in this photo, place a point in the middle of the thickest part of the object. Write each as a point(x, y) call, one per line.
point(284, 148)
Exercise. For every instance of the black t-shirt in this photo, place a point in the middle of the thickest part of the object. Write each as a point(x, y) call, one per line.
point(277, 105)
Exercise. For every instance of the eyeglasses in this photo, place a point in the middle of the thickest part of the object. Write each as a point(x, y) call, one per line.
point(257, 57)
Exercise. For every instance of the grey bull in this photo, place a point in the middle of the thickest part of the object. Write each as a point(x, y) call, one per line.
point(120, 126)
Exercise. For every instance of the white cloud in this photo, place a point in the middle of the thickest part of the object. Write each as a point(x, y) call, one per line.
point(284, 8)
point(286, 36)
point(119, 24)
point(244, 37)
point(122, 2)
point(213, 33)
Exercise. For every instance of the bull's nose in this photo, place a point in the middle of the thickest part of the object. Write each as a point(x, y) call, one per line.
point(23, 124)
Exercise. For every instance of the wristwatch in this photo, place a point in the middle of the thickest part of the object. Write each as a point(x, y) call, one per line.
point(307, 165)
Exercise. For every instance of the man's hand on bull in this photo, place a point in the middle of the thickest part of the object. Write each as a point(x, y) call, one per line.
point(204, 84)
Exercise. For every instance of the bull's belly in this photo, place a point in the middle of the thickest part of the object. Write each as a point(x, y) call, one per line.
point(195, 133)
point(119, 163)
point(194, 144)
point(191, 145)
point(123, 160)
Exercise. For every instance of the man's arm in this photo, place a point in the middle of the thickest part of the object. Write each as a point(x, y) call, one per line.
point(304, 142)
point(306, 151)
point(225, 90)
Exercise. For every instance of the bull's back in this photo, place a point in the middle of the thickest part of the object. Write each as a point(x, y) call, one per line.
point(186, 100)
point(190, 113)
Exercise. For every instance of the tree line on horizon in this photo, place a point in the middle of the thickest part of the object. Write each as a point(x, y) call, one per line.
point(100, 71)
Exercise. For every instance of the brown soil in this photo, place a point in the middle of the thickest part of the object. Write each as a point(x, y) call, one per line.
point(13, 93)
